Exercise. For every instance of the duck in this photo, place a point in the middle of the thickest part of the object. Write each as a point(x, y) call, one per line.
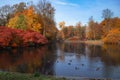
point(97, 69)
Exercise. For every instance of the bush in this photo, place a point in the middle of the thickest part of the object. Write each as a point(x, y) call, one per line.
point(14, 37)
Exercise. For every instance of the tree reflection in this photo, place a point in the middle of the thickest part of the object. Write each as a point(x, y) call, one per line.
point(77, 48)
point(28, 60)
point(111, 54)
point(49, 59)
point(21, 60)
point(94, 51)
point(70, 49)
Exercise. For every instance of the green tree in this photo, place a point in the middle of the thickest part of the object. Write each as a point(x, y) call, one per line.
point(21, 22)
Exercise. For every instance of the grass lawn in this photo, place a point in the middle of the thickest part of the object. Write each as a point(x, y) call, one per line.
point(20, 76)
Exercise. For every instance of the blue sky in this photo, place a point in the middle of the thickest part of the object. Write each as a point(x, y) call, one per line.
point(73, 11)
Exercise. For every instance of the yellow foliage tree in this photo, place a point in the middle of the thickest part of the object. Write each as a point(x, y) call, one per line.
point(32, 20)
point(12, 22)
point(26, 20)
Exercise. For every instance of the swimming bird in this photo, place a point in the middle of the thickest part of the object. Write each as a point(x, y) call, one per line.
point(82, 64)
point(70, 60)
point(69, 63)
point(97, 69)
point(76, 68)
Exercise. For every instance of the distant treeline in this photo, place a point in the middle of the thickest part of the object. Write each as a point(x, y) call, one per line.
point(107, 30)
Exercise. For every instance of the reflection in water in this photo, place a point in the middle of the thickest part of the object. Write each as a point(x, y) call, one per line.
point(82, 60)
point(27, 60)
point(64, 59)
point(111, 55)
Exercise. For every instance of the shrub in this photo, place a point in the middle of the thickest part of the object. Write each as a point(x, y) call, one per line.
point(15, 37)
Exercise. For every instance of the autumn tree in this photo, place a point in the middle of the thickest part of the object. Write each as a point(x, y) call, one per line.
point(32, 19)
point(27, 16)
point(65, 32)
point(62, 24)
point(26, 20)
point(113, 23)
point(91, 31)
point(46, 11)
point(94, 30)
point(83, 35)
point(98, 31)
point(19, 7)
point(5, 14)
point(113, 34)
point(71, 30)
point(18, 20)
point(21, 22)
point(78, 29)
point(107, 15)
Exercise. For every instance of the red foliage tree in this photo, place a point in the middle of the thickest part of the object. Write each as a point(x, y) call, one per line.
point(15, 37)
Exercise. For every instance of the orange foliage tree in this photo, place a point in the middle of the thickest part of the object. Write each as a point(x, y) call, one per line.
point(113, 36)
point(25, 20)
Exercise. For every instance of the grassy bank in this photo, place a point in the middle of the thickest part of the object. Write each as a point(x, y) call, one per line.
point(19, 76)
point(90, 42)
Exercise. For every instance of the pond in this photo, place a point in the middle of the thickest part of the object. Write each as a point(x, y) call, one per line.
point(64, 59)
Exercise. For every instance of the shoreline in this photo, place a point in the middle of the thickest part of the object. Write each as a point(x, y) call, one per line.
point(27, 76)
point(37, 76)
point(89, 42)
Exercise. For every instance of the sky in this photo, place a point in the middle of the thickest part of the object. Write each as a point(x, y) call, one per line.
point(73, 11)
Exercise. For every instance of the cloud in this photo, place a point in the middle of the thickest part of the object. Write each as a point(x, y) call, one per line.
point(64, 3)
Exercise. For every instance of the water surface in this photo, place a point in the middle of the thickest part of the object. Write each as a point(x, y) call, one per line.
point(64, 59)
